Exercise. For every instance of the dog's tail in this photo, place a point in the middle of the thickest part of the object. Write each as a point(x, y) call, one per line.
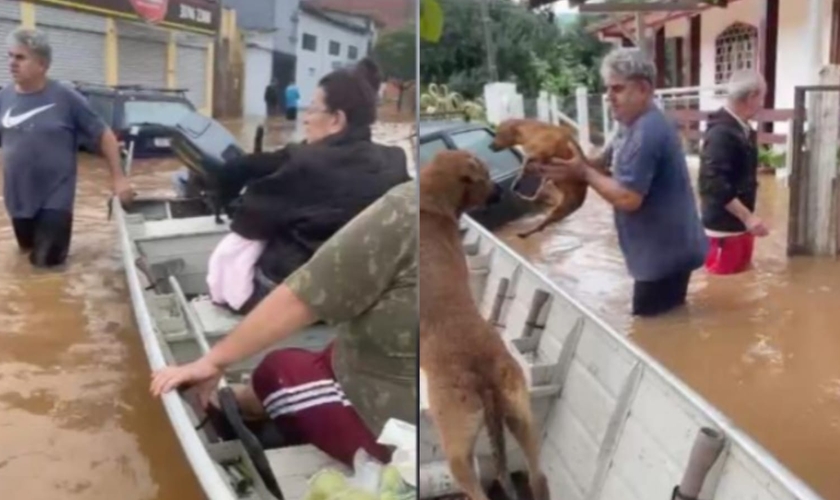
point(494, 420)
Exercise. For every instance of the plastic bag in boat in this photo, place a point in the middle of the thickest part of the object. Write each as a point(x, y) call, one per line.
point(371, 480)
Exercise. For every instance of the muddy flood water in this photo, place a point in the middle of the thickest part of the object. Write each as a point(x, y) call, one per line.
point(76, 418)
point(763, 347)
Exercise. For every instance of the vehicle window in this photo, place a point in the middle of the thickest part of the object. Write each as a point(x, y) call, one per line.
point(478, 142)
point(429, 149)
point(103, 105)
point(160, 112)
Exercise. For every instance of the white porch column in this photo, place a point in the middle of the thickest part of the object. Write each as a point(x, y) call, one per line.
point(815, 18)
point(582, 102)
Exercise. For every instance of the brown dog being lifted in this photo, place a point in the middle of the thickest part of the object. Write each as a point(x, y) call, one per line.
point(542, 142)
point(472, 378)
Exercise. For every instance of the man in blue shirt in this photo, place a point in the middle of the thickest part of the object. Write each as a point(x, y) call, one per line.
point(656, 217)
point(42, 122)
point(292, 98)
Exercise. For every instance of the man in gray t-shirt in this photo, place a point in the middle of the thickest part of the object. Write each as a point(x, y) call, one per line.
point(42, 123)
point(656, 216)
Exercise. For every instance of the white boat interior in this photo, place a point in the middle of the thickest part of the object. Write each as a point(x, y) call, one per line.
point(615, 424)
point(166, 244)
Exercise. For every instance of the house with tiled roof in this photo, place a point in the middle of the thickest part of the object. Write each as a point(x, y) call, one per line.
point(699, 43)
point(390, 15)
point(298, 40)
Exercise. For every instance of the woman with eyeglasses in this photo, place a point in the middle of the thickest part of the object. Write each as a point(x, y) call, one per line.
point(306, 192)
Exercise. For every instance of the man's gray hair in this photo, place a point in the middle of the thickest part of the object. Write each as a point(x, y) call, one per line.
point(34, 40)
point(628, 63)
point(744, 83)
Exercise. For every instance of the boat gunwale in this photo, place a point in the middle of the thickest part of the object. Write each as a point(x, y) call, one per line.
point(217, 489)
point(793, 484)
point(203, 466)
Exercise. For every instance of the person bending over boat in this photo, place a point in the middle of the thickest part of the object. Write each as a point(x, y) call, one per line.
point(363, 279)
point(656, 218)
point(43, 123)
point(317, 187)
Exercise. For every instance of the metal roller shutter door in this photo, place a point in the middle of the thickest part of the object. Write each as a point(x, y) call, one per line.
point(9, 20)
point(142, 55)
point(78, 43)
point(192, 71)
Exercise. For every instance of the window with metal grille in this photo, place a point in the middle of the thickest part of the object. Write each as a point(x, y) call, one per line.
point(310, 42)
point(736, 48)
point(335, 48)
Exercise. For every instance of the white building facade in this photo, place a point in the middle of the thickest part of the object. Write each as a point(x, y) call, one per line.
point(327, 41)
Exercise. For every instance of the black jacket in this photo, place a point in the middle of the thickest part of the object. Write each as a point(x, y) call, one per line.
point(728, 169)
point(317, 189)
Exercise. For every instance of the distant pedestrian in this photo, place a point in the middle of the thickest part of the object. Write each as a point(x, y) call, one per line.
point(271, 97)
point(292, 101)
point(658, 226)
point(43, 122)
point(728, 177)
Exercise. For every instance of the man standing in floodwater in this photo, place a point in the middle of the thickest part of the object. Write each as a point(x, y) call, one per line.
point(42, 123)
point(658, 225)
point(728, 176)
point(271, 96)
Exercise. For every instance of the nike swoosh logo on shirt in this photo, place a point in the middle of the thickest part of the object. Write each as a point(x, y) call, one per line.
point(10, 121)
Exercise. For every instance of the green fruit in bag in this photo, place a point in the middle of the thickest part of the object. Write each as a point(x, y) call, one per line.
point(353, 493)
point(390, 480)
point(325, 484)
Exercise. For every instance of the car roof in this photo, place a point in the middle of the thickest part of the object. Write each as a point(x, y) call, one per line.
point(128, 90)
point(435, 127)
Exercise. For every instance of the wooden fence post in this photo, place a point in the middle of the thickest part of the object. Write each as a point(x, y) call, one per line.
point(814, 183)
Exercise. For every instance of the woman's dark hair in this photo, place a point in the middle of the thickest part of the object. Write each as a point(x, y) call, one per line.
point(369, 71)
point(353, 91)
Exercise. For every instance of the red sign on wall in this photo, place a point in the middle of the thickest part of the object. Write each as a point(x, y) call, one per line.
point(151, 10)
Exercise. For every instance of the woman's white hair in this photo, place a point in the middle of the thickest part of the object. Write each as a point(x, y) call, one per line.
point(628, 63)
point(744, 83)
point(34, 40)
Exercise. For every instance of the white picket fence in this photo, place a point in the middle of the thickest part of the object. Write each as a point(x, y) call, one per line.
point(503, 102)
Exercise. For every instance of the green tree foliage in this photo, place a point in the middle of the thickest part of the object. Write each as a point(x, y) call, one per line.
point(531, 50)
point(396, 54)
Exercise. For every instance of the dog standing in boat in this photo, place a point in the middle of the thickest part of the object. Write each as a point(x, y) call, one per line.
point(472, 378)
point(542, 142)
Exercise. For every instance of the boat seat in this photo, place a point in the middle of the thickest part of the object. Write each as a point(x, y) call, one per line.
point(219, 321)
point(215, 320)
point(542, 391)
point(295, 465)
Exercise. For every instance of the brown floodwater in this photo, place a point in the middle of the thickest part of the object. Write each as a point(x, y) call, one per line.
point(76, 418)
point(763, 347)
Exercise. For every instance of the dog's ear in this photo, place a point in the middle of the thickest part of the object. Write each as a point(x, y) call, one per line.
point(472, 171)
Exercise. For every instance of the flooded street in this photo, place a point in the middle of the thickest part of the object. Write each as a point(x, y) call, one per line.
point(76, 418)
point(763, 347)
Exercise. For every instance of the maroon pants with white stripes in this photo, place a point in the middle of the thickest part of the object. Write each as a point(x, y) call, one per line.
point(299, 392)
